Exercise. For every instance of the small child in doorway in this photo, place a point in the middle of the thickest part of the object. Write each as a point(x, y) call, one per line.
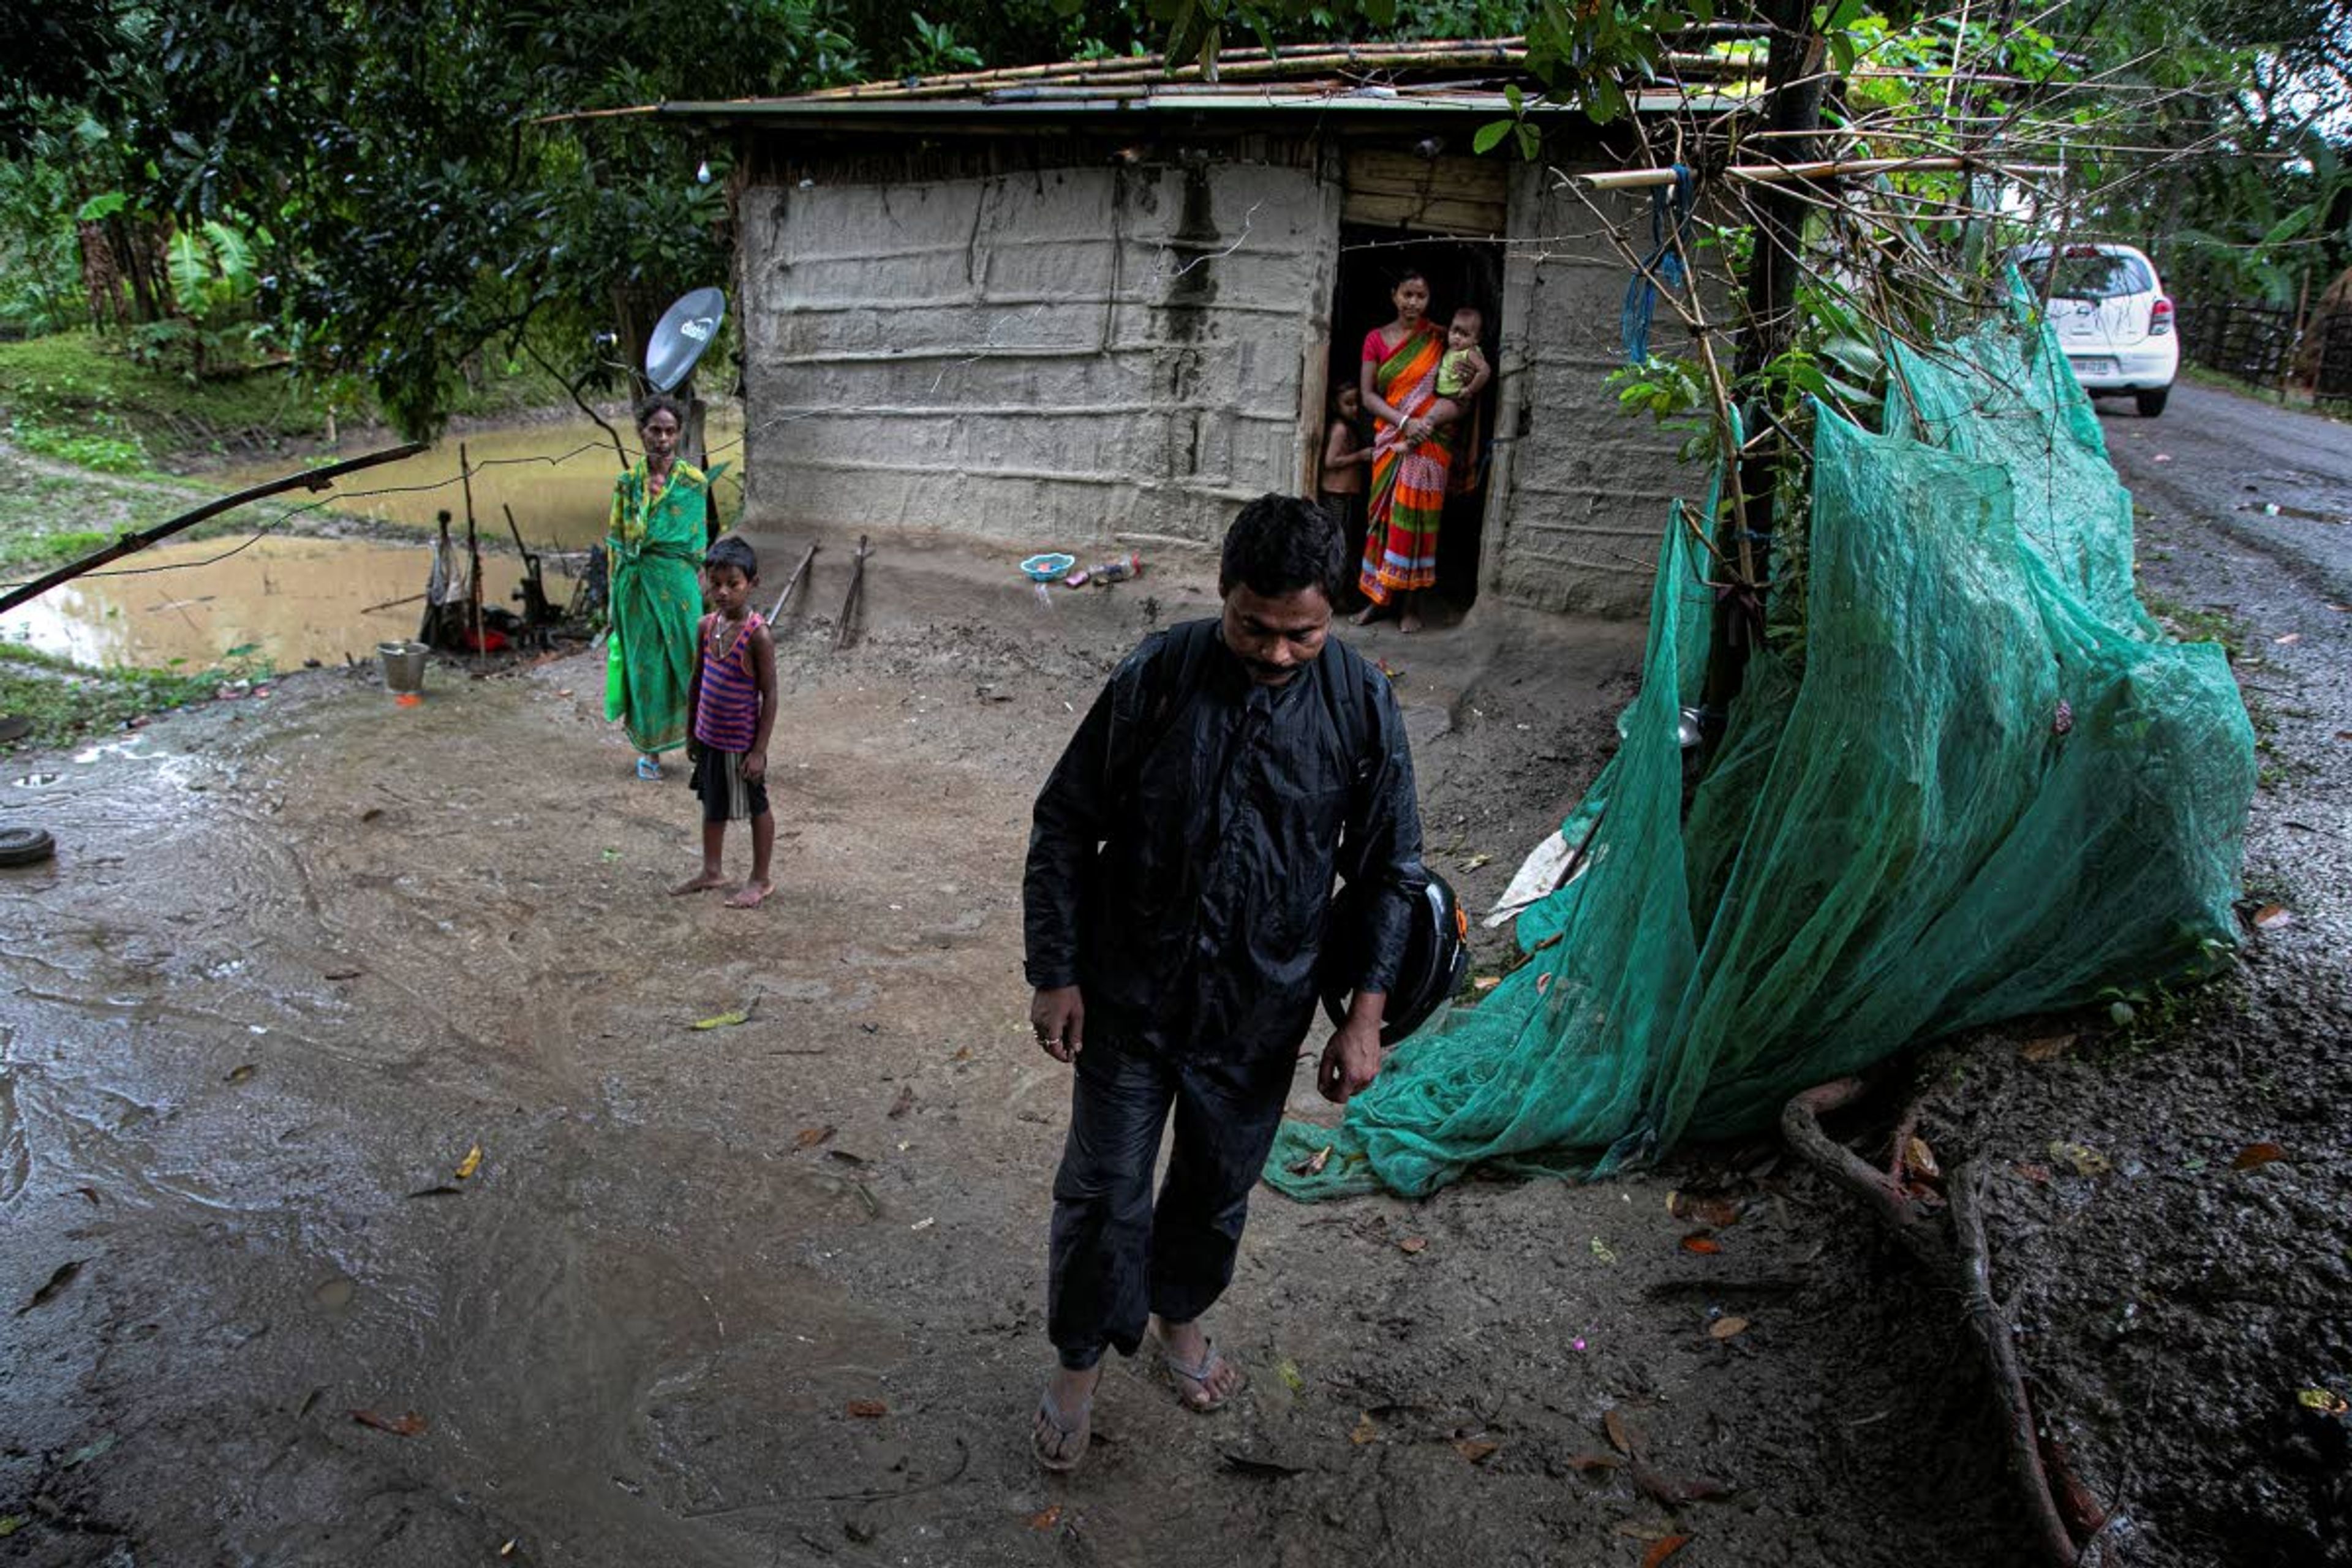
point(733, 700)
point(1462, 374)
point(1346, 468)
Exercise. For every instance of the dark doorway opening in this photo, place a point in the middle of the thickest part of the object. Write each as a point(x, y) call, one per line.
point(1460, 272)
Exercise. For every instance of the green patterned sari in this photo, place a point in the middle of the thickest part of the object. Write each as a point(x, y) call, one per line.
point(654, 549)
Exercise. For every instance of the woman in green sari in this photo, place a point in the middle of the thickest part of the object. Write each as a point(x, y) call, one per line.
point(655, 547)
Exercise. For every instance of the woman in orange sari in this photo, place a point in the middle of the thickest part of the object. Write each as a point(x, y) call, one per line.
point(1412, 456)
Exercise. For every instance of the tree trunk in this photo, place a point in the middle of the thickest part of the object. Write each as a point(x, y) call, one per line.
point(1794, 79)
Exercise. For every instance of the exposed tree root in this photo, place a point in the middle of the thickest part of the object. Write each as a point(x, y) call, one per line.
point(1959, 1259)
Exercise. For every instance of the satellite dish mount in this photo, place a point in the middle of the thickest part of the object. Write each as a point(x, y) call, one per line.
point(686, 330)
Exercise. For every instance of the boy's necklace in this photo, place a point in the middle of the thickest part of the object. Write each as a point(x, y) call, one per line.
point(728, 652)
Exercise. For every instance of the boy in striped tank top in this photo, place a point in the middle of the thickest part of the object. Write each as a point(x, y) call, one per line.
point(733, 700)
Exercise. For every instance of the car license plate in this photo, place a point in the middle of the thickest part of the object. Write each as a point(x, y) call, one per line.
point(2094, 366)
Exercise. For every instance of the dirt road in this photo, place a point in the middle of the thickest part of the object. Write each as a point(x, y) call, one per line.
point(770, 1292)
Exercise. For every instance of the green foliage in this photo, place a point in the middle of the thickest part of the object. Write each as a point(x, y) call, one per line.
point(104, 454)
point(67, 703)
point(935, 51)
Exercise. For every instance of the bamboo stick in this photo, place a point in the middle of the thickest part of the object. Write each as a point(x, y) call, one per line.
point(1774, 173)
point(314, 478)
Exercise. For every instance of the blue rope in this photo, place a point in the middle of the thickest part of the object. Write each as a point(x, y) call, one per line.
point(1664, 263)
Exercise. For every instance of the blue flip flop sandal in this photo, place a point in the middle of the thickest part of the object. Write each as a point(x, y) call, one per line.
point(1067, 1445)
point(1197, 1374)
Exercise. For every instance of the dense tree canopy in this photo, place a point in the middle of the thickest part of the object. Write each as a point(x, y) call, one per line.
point(373, 193)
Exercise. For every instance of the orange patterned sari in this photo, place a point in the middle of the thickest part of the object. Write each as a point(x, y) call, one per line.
point(1408, 495)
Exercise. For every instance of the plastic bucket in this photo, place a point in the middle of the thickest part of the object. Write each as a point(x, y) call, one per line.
point(402, 664)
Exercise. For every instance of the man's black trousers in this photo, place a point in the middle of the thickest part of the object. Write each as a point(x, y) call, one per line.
point(1115, 1258)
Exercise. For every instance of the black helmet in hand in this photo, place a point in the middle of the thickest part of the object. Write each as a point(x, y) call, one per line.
point(1436, 957)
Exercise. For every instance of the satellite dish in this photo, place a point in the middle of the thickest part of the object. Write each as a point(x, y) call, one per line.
point(685, 331)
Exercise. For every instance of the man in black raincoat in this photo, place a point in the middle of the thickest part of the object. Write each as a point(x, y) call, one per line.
point(1178, 896)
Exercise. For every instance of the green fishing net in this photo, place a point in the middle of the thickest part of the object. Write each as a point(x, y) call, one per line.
point(1994, 788)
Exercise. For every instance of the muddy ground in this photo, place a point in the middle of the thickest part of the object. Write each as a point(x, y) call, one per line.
point(770, 1293)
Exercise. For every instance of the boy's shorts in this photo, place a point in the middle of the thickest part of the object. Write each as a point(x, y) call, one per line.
point(727, 794)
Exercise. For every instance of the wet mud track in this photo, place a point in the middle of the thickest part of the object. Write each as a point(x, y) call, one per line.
point(770, 1292)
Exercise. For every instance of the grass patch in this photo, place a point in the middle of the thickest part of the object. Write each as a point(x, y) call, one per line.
point(83, 387)
point(68, 703)
point(47, 519)
point(2198, 626)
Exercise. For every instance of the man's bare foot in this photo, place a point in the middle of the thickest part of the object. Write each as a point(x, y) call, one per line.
point(1410, 622)
point(750, 895)
point(1065, 1419)
point(701, 883)
point(1204, 1378)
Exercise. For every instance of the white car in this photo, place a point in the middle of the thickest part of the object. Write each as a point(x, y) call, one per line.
point(2113, 320)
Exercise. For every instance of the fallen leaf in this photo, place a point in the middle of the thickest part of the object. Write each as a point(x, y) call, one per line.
point(927, 1221)
point(509, 1549)
point(1475, 861)
point(1252, 1465)
point(1485, 983)
point(1313, 1164)
point(809, 1137)
point(57, 1282)
point(1712, 1213)
point(1645, 1532)
point(963, 1055)
point(2270, 917)
point(1603, 1251)
point(442, 1191)
point(1666, 1546)
point(2285, 641)
point(1046, 1518)
point(1477, 1450)
point(345, 974)
point(1291, 1378)
point(1365, 1431)
point(2326, 1401)
point(409, 1426)
point(1725, 1328)
point(1413, 1244)
point(240, 1073)
point(2038, 1174)
point(1622, 1438)
point(2049, 1047)
point(371, 814)
point(98, 1449)
point(2254, 1157)
point(470, 1164)
point(844, 1156)
point(1582, 1463)
point(11, 1523)
point(903, 1104)
point(1705, 1246)
point(2086, 1161)
point(867, 1409)
point(1918, 1157)
point(1673, 1491)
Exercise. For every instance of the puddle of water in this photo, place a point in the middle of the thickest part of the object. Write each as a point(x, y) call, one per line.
point(284, 600)
point(557, 476)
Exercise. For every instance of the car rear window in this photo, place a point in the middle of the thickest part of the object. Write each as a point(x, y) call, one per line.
point(2088, 274)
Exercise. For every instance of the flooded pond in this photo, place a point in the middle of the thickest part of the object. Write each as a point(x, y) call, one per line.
point(284, 599)
point(556, 475)
point(279, 601)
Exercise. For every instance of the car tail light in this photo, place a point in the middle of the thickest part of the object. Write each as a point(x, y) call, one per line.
point(2159, 317)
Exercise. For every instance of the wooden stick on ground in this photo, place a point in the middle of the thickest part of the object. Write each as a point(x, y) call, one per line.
point(792, 582)
point(856, 591)
point(1963, 1262)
